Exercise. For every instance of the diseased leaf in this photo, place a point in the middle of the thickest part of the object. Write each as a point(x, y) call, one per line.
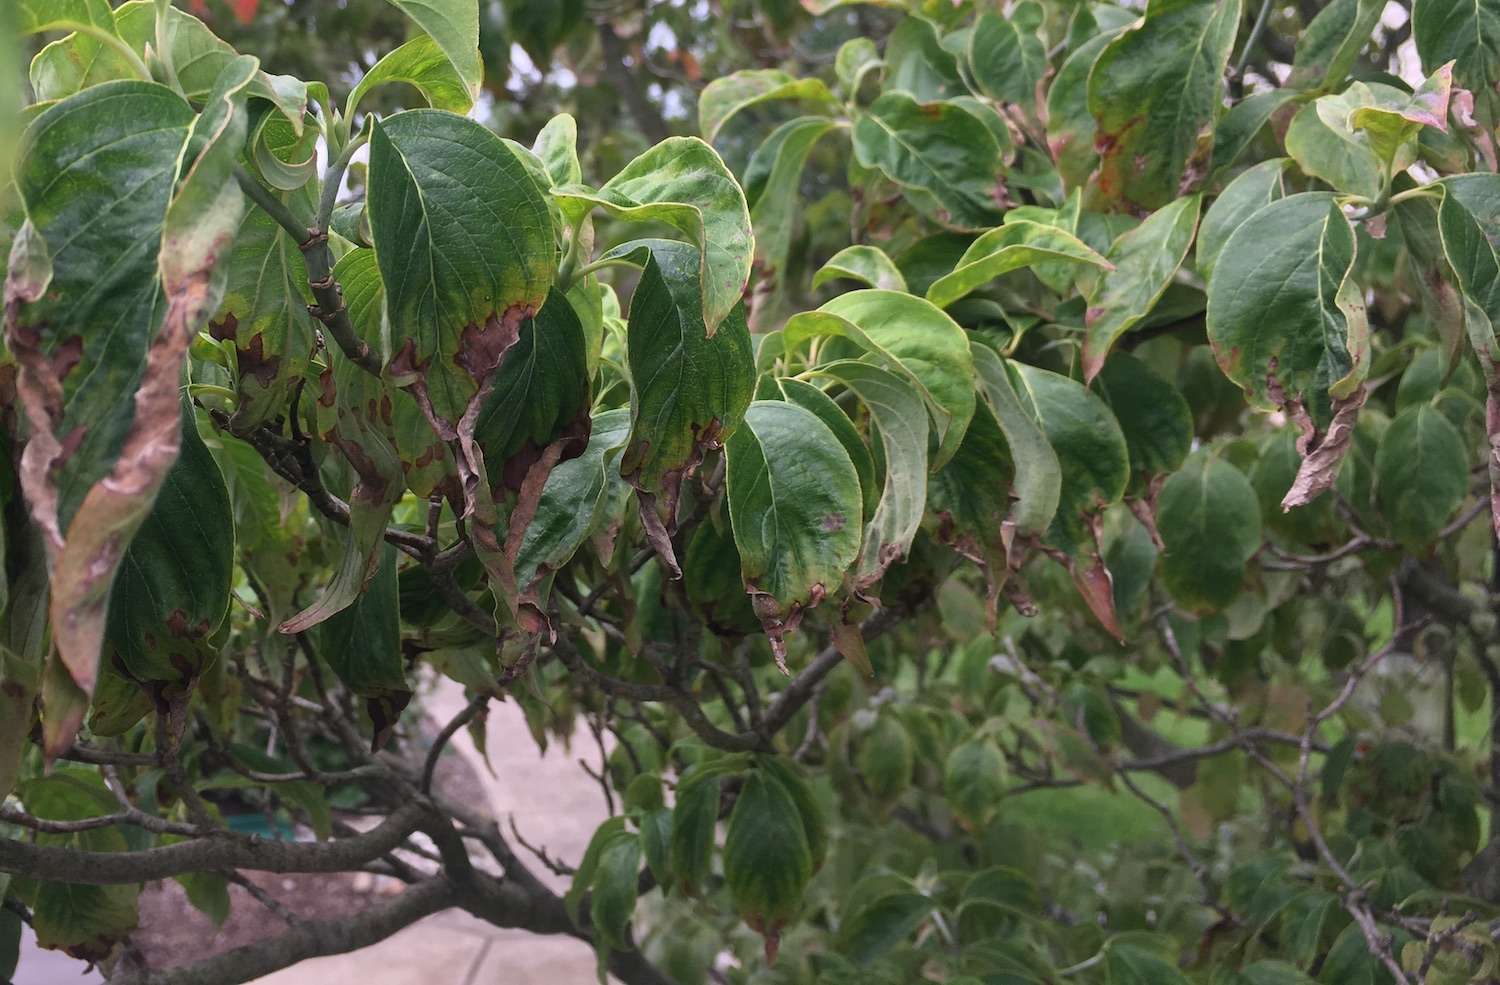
point(1155, 92)
point(1209, 520)
point(1326, 146)
point(683, 183)
point(1070, 125)
point(689, 389)
point(796, 509)
point(1144, 260)
point(1018, 243)
point(362, 643)
point(912, 337)
point(937, 148)
point(722, 98)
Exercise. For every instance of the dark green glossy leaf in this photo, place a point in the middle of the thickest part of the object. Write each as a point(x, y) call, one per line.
point(1209, 521)
point(1038, 475)
point(695, 817)
point(938, 148)
point(1421, 474)
point(362, 644)
point(1152, 413)
point(1465, 33)
point(767, 860)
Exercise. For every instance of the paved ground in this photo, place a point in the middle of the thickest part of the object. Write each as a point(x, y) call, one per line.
point(556, 806)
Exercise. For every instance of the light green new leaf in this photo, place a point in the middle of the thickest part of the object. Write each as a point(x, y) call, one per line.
point(683, 183)
point(1250, 190)
point(1393, 124)
point(1209, 519)
point(466, 249)
point(1333, 39)
point(1143, 262)
point(557, 146)
point(1421, 474)
point(1464, 32)
point(868, 264)
point(1007, 56)
point(1018, 243)
point(795, 506)
point(420, 63)
point(724, 97)
point(1155, 93)
point(1325, 145)
point(454, 26)
point(914, 338)
point(1038, 474)
point(898, 413)
point(689, 390)
point(937, 148)
point(1285, 318)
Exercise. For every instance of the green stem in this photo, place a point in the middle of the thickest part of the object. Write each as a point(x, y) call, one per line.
point(1421, 191)
point(597, 265)
point(333, 179)
point(565, 275)
point(1250, 42)
point(271, 205)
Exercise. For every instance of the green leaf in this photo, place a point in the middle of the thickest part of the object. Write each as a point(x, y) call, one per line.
point(1155, 93)
point(424, 65)
point(1018, 243)
point(1251, 189)
point(37, 16)
point(795, 507)
point(1464, 33)
point(1038, 474)
point(774, 213)
point(1325, 146)
point(938, 148)
point(881, 924)
point(1393, 124)
point(571, 501)
point(830, 413)
point(1285, 316)
point(1421, 474)
point(1144, 260)
point(855, 58)
point(441, 191)
point(970, 499)
point(362, 644)
point(1209, 519)
point(588, 866)
point(885, 758)
point(1007, 55)
point(897, 410)
point(682, 183)
point(689, 389)
point(912, 337)
point(1152, 413)
point(1242, 123)
point(1131, 964)
point(695, 816)
point(767, 860)
point(785, 772)
point(1468, 220)
point(174, 583)
point(557, 146)
point(540, 394)
point(722, 98)
point(917, 63)
point(454, 26)
point(974, 779)
point(1070, 125)
point(867, 264)
point(264, 314)
point(1095, 466)
point(612, 903)
point(1333, 39)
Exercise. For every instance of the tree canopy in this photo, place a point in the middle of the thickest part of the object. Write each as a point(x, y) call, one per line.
point(1014, 486)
